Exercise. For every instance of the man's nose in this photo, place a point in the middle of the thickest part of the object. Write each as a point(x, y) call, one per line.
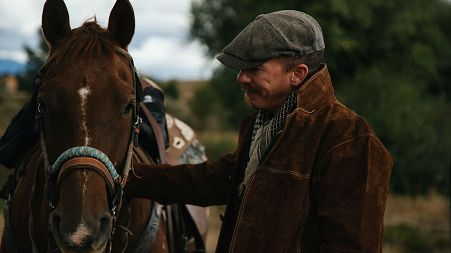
point(243, 77)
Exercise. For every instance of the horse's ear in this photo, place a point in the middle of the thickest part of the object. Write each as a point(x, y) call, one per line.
point(55, 21)
point(121, 24)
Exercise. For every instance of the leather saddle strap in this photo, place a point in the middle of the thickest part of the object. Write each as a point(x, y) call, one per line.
point(141, 156)
point(156, 130)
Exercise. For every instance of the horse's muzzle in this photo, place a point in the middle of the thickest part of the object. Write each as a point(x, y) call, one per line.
point(82, 219)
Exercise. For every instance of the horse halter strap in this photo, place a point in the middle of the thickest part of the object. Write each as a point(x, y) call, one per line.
point(91, 158)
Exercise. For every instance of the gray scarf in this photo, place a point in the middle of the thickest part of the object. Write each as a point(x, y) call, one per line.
point(267, 128)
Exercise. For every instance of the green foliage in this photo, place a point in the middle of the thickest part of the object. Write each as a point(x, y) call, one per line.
point(218, 143)
point(410, 122)
point(170, 89)
point(221, 102)
point(202, 106)
point(414, 240)
point(389, 61)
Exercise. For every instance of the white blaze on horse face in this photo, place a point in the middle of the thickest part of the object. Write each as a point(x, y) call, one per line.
point(84, 92)
point(80, 234)
point(82, 230)
point(85, 187)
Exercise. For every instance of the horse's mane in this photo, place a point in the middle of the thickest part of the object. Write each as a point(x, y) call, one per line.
point(89, 41)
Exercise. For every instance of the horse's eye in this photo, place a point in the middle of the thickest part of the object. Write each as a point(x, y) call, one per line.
point(129, 107)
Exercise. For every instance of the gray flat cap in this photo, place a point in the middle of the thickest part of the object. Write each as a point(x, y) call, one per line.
point(280, 33)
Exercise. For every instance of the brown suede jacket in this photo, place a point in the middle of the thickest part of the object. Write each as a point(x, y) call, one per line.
point(322, 187)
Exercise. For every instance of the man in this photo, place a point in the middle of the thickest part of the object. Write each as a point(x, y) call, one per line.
point(308, 174)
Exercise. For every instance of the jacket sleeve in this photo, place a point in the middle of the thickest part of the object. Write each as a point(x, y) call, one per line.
point(201, 184)
point(352, 192)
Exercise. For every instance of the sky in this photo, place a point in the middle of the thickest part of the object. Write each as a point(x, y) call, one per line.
point(161, 47)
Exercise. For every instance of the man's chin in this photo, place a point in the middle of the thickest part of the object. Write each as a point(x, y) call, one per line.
point(251, 102)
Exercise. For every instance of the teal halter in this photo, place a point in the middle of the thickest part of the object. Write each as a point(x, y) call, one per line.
point(85, 151)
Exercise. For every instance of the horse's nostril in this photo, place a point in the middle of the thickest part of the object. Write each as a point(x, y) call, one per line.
point(105, 223)
point(105, 220)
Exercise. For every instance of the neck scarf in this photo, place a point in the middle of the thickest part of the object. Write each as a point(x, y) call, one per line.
point(267, 128)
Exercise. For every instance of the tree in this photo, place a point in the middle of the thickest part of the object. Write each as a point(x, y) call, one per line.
point(389, 62)
point(36, 58)
point(356, 32)
point(170, 89)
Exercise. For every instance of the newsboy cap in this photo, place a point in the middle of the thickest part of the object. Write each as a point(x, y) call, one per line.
point(280, 33)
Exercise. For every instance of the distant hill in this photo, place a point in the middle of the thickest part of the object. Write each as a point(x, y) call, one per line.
point(11, 67)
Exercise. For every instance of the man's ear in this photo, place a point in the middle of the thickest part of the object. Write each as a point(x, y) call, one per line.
point(298, 74)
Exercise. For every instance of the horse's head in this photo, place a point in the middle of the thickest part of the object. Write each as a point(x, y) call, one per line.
point(87, 108)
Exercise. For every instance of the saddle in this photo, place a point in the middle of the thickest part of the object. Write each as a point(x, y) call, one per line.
point(176, 145)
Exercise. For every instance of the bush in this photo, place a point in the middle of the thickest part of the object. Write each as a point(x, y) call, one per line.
point(218, 143)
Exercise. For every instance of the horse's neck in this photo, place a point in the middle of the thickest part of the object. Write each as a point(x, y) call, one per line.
point(29, 209)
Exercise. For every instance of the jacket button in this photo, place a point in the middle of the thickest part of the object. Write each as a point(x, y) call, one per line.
point(221, 217)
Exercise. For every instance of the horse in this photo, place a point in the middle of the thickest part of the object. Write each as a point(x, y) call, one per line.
point(68, 193)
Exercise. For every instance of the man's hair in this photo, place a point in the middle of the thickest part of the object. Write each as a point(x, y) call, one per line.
point(312, 60)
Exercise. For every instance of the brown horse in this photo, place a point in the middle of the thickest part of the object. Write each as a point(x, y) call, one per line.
point(69, 191)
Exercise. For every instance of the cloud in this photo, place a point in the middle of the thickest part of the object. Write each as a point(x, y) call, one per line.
point(160, 41)
point(21, 16)
point(164, 58)
point(17, 55)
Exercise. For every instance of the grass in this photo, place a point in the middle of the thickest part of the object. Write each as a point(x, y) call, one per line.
point(429, 212)
point(407, 238)
point(415, 225)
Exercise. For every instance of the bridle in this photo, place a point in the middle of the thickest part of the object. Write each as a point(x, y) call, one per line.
point(85, 157)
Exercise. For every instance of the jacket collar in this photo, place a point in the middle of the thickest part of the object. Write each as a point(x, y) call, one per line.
point(316, 92)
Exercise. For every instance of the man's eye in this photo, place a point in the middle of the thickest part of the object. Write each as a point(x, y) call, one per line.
point(256, 69)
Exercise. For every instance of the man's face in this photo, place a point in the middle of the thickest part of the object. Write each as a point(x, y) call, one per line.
point(266, 86)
